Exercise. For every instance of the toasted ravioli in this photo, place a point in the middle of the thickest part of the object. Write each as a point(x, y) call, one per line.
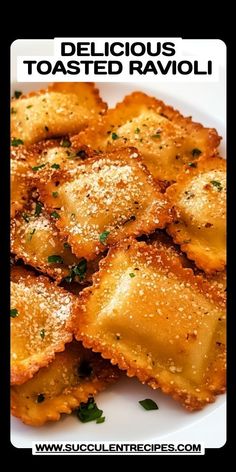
point(71, 378)
point(62, 108)
point(36, 240)
point(103, 200)
point(164, 137)
point(19, 185)
point(199, 199)
point(41, 322)
point(158, 321)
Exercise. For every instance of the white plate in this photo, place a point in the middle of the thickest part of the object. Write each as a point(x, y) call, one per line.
point(125, 418)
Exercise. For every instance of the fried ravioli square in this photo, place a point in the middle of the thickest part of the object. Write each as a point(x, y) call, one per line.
point(199, 199)
point(62, 108)
point(72, 377)
point(41, 322)
point(103, 200)
point(158, 321)
point(166, 139)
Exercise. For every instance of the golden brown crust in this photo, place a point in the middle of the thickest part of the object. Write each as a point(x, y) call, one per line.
point(62, 108)
point(111, 195)
point(162, 323)
point(199, 199)
point(36, 240)
point(43, 323)
point(62, 386)
point(166, 139)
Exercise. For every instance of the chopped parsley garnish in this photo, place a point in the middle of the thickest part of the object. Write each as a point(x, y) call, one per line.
point(77, 270)
point(17, 93)
point(54, 259)
point(192, 164)
point(26, 217)
point(132, 275)
point(55, 194)
point(65, 143)
point(55, 215)
point(55, 166)
point(13, 313)
point(101, 419)
point(40, 398)
point(29, 106)
point(31, 234)
point(148, 404)
point(137, 131)
point(42, 333)
point(84, 370)
point(16, 142)
point(103, 236)
point(196, 152)
point(66, 245)
point(46, 128)
point(114, 136)
point(216, 184)
point(13, 111)
point(89, 411)
point(157, 135)
point(38, 208)
point(35, 168)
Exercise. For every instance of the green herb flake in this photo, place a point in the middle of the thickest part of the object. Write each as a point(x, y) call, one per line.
point(55, 215)
point(55, 194)
point(103, 236)
point(65, 143)
point(89, 411)
point(42, 333)
point(16, 142)
point(192, 164)
point(38, 208)
point(217, 184)
point(148, 404)
point(46, 128)
point(132, 275)
point(157, 135)
point(66, 245)
point(29, 106)
point(14, 313)
point(55, 259)
point(114, 136)
point(55, 166)
point(80, 269)
point(31, 234)
point(13, 111)
point(35, 168)
point(25, 217)
point(100, 420)
point(77, 270)
point(196, 152)
point(40, 398)
point(17, 93)
point(137, 131)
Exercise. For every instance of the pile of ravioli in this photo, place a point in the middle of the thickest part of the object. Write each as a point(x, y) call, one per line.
point(118, 251)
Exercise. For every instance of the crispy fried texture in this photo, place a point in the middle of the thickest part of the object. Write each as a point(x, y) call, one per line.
point(161, 240)
point(199, 199)
point(162, 323)
point(72, 377)
point(43, 325)
point(164, 137)
point(109, 196)
point(19, 186)
point(35, 238)
point(62, 108)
